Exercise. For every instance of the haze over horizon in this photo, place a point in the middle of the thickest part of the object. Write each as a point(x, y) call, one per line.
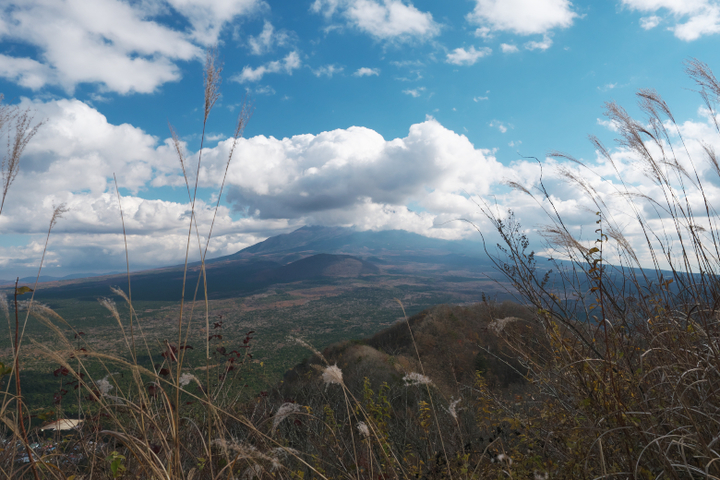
point(375, 114)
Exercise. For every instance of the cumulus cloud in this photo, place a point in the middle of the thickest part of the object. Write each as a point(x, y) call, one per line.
point(609, 181)
point(691, 19)
point(115, 44)
point(460, 56)
point(208, 17)
point(414, 92)
point(267, 40)
point(262, 90)
point(327, 70)
point(286, 65)
point(651, 22)
point(543, 44)
point(351, 177)
point(366, 72)
point(382, 20)
point(522, 17)
point(502, 126)
point(507, 48)
point(26, 72)
point(485, 33)
point(355, 175)
point(342, 177)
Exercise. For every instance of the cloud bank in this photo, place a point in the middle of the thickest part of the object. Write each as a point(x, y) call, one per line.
point(351, 177)
point(423, 182)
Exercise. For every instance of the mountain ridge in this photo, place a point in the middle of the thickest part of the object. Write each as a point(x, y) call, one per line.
point(308, 254)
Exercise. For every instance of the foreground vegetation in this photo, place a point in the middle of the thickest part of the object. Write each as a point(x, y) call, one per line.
point(605, 371)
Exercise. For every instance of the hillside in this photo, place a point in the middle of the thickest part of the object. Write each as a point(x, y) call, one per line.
point(327, 284)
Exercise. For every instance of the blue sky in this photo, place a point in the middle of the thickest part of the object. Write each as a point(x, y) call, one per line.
point(375, 114)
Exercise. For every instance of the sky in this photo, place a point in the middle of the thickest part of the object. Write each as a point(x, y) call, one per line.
point(372, 114)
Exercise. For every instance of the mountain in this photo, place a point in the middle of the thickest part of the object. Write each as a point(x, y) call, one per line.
point(327, 255)
point(340, 240)
point(49, 278)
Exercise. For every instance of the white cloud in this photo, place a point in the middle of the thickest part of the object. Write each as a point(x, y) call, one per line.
point(414, 92)
point(386, 20)
point(262, 90)
point(602, 177)
point(327, 70)
point(460, 56)
point(112, 43)
point(502, 126)
point(480, 99)
point(286, 65)
point(26, 72)
point(340, 177)
point(607, 87)
point(267, 40)
point(691, 19)
point(522, 17)
point(507, 48)
point(484, 33)
point(340, 173)
point(366, 72)
point(609, 124)
point(407, 63)
point(544, 44)
point(648, 23)
point(208, 17)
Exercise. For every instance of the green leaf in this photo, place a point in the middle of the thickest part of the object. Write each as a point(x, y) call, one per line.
point(116, 464)
point(23, 290)
point(593, 250)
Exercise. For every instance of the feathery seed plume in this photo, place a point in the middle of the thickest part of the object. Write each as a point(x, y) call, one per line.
point(414, 378)
point(104, 385)
point(332, 374)
point(283, 412)
point(452, 409)
point(186, 378)
point(499, 324)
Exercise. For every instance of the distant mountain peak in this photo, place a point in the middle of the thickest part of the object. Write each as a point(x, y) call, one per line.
point(311, 239)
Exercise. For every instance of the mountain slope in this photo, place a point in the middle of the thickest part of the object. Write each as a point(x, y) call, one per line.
point(341, 240)
point(303, 255)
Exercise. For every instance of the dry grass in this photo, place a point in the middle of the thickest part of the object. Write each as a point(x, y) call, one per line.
point(635, 388)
